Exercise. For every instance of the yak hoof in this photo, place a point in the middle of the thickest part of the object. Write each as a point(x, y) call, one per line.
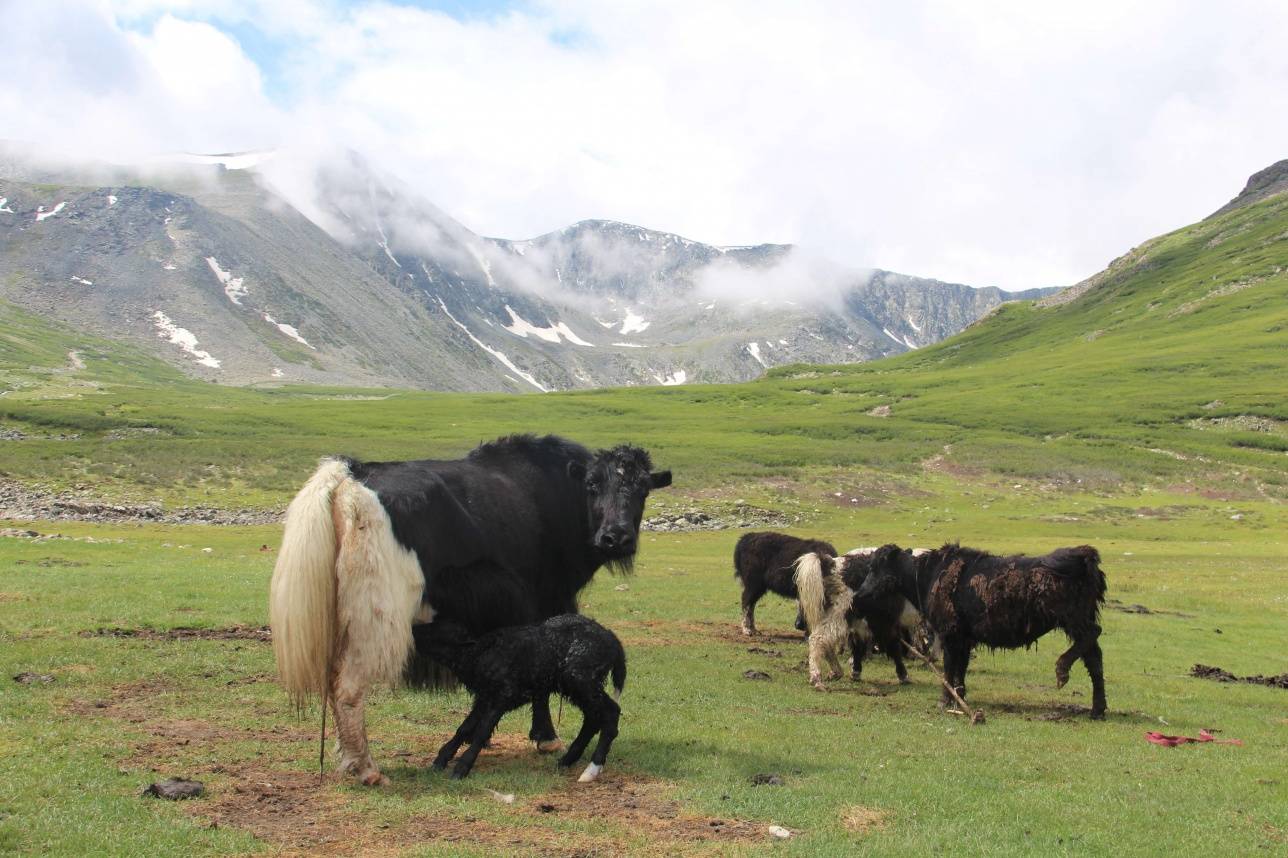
point(375, 779)
point(748, 632)
point(1097, 715)
point(591, 773)
point(1061, 678)
point(903, 680)
point(818, 685)
point(549, 746)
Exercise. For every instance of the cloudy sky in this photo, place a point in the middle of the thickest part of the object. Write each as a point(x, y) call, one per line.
point(1014, 144)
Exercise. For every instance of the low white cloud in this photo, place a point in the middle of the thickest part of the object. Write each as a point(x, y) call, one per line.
point(1002, 143)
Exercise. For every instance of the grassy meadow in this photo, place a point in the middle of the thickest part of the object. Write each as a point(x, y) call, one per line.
point(1149, 418)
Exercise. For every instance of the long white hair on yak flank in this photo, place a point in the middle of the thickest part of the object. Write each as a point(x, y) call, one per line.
point(340, 567)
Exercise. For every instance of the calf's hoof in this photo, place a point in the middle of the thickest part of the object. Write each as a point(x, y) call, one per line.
point(549, 746)
point(590, 774)
point(903, 680)
point(458, 775)
point(375, 779)
point(818, 685)
point(856, 676)
point(1061, 678)
point(1097, 714)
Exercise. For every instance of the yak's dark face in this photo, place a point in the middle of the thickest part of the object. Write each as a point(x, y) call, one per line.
point(617, 484)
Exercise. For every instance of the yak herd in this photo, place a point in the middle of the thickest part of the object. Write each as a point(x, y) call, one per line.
point(433, 572)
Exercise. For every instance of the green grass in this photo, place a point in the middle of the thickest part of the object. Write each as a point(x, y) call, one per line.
point(69, 775)
point(1148, 417)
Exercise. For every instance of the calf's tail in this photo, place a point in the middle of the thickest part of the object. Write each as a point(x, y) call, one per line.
point(619, 673)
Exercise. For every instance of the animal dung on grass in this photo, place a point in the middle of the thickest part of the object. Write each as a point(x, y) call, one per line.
point(1204, 671)
point(29, 678)
point(175, 789)
point(762, 779)
point(758, 675)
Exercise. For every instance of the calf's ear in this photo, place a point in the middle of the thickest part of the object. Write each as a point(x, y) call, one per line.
point(576, 471)
point(660, 479)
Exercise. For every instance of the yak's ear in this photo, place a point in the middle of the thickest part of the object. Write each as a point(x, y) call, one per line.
point(576, 471)
point(660, 479)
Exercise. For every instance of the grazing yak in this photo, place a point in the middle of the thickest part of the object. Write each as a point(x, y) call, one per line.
point(762, 562)
point(970, 597)
point(569, 655)
point(827, 585)
point(506, 536)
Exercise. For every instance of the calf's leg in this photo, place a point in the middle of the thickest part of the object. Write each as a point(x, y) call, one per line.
point(483, 729)
point(452, 745)
point(609, 713)
point(858, 651)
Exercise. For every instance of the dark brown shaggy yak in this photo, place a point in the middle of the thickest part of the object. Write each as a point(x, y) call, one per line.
point(971, 597)
point(765, 561)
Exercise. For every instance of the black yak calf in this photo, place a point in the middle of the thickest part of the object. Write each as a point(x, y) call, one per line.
point(764, 562)
point(971, 597)
point(569, 655)
point(827, 586)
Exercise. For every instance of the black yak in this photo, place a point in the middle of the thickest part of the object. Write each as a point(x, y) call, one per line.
point(506, 536)
point(763, 562)
point(970, 597)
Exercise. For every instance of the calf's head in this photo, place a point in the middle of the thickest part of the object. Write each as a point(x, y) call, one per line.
point(617, 484)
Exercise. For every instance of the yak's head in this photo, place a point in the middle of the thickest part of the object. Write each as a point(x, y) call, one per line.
point(888, 567)
point(617, 484)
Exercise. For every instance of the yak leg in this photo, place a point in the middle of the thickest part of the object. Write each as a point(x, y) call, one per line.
point(607, 712)
point(543, 728)
point(589, 727)
point(348, 702)
point(452, 745)
point(819, 651)
point(483, 729)
point(956, 658)
point(895, 645)
point(750, 596)
point(1066, 660)
point(1094, 661)
point(858, 651)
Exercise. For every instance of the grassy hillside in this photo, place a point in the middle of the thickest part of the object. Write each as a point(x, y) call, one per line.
point(1169, 372)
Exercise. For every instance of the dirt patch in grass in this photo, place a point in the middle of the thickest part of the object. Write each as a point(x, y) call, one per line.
point(642, 805)
point(186, 633)
point(303, 813)
point(732, 633)
point(1204, 671)
point(861, 820)
point(1116, 605)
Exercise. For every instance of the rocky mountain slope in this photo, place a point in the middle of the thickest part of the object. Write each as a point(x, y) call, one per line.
point(213, 270)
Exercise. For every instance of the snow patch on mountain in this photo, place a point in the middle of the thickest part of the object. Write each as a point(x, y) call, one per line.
point(4, 208)
point(290, 330)
point(183, 338)
point(41, 214)
point(496, 353)
point(521, 327)
point(233, 286)
point(111, 199)
point(633, 323)
point(754, 350)
point(671, 379)
point(82, 281)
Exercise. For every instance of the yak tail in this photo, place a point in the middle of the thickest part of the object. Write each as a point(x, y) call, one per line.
point(619, 673)
point(301, 601)
point(811, 589)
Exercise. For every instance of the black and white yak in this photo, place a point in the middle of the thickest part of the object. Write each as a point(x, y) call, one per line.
point(763, 562)
point(506, 536)
point(971, 597)
point(569, 655)
point(827, 585)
